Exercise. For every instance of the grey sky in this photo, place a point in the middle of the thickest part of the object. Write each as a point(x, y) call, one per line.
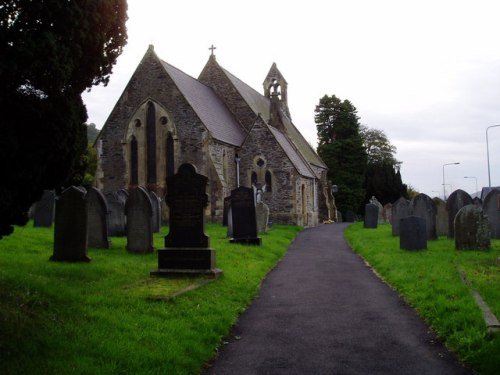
point(425, 72)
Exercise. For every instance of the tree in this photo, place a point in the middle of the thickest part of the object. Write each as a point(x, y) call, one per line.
point(52, 51)
point(341, 148)
point(383, 177)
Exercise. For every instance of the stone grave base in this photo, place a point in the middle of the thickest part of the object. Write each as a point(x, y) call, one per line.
point(175, 261)
point(247, 241)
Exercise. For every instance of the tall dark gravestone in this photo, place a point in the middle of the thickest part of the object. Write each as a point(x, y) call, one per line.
point(186, 245)
point(116, 217)
point(454, 203)
point(472, 229)
point(423, 206)
point(97, 220)
point(139, 212)
point(441, 217)
point(244, 217)
point(400, 209)
point(413, 233)
point(44, 210)
point(371, 216)
point(70, 231)
point(491, 207)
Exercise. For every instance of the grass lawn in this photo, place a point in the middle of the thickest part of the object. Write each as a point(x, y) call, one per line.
point(429, 281)
point(110, 317)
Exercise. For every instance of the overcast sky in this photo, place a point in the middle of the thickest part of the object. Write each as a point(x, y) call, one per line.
point(427, 73)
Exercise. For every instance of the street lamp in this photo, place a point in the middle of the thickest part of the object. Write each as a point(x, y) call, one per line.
point(444, 188)
point(475, 178)
point(488, 153)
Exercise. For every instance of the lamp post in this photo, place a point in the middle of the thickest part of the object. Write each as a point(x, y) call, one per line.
point(444, 188)
point(475, 178)
point(488, 153)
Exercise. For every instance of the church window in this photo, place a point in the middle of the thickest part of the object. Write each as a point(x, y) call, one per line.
point(170, 154)
point(254, 178)
point(151, 142)
point(137, 123)
point(268, 180)
point(134, 162)
point(260, 162)
point(164, 120)
point(275, 89)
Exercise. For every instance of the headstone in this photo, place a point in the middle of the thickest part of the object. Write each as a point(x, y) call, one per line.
point(413, 233)
point(375, 201)
point(139, 212)
point(97, 220)
point(262, 215)
point(387, 213)
point(44, 209)
point(423, 206)
point(371, 216)
point(472, 229)
point(244, 217)
point(123, 195)
point(441, 217)
point(156, 204)
point(400, 209)
point(186, 245)
point(477, 201)
point(70, 231)
point(455, 202)
point(491, 207)
point(227, 204)
point(116, 217)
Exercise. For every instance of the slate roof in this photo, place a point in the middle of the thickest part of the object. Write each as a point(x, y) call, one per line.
point(260, 104)
point(208, 106)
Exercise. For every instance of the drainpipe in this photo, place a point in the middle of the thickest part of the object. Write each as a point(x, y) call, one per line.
point(237, 161)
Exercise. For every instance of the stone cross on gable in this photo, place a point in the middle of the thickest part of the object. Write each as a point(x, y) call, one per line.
point(212, 48)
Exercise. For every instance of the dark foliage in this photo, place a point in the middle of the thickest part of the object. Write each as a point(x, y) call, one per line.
point(52, 51)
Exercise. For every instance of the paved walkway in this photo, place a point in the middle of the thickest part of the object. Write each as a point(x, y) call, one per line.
point(323, 311)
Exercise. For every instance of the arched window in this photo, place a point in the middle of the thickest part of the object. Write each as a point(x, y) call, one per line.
point(134, 162)
point(151, 142)
point(169, 151)
point(254, 178)
point(269, 181)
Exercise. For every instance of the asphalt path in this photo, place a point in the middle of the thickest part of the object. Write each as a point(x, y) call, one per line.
point(323, 311)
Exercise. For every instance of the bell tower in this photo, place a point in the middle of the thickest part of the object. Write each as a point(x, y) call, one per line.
point(275, 89)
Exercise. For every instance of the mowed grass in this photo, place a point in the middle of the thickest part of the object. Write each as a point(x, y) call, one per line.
point(110, 317)
point(429, 281)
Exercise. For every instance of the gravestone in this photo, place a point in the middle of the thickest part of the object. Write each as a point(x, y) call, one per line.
point(472, 229)
point(375, 201)
point(116, 217)
point(70, 227)
point(371, 216)
point(139, 212)
point(122, 195)
point(227, 205)
point(97, 220)
point(491, 207)
point(156, 204)
point(455, 202)
point(244, 217)
point(186, 245)
point(477, 201)
point(262, 215)
point(44, 210)
point(400, 209)
point(413, 233)
point(387, 213)
point(441, 217)
point(423, 206)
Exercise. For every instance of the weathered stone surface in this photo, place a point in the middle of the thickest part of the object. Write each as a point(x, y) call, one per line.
point(400, 209)
point(44, 210)
point(442, 222)
point(139, 211)
point(455, 202)
point(371, 216)
point(97, 220)
point(262, 215)
point(491, 207)
point(116, 216)
point(387, 213)
point(472, 229)
point(423, 206)
point(413, 233)
point(244, 217)
point(70, 231)
point(374, 200)
point(156, 218)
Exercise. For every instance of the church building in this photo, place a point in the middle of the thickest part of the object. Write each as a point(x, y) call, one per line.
point(231, 133)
